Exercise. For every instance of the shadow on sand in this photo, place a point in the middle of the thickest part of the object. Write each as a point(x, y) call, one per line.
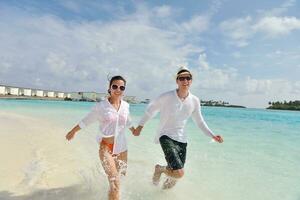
point(66, 193)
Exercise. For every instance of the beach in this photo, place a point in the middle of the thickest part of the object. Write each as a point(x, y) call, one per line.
point(259, 159)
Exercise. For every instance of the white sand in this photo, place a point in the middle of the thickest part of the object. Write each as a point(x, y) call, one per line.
point(34, 155)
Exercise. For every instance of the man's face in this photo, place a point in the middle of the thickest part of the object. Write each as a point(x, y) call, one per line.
point(184, 81)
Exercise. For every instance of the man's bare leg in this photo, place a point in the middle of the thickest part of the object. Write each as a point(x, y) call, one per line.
point(173, 175)
point(157, 174)
point(169, 183)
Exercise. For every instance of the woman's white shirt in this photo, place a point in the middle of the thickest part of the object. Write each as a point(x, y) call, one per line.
point(174, 114)
point(112, 122)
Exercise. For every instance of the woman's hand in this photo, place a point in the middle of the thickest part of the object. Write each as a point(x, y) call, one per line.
point(72, 132)
point(132, 129)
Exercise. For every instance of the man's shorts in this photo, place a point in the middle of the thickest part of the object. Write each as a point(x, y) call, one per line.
point(175, 152)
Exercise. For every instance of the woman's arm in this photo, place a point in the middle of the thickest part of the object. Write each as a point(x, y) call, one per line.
point(72, 133)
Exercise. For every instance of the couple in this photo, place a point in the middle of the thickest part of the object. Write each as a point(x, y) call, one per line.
point(175, 108)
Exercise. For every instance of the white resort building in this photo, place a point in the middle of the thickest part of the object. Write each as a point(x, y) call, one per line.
point(14, 91)
point(39, 93)
point(87, 96)
point(61, 95)
point(3, 90)
point(20, 92)
point(27, 92)
point(50, 94)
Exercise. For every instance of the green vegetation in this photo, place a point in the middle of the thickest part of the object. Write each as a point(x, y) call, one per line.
point(219, 104)
point(291, 105)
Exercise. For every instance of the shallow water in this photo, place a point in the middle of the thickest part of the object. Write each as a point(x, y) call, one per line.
point(259, 159)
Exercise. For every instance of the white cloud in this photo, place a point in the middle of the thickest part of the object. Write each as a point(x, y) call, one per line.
point(257, 86)
point(237, 54)
point(78, 55)
point(297, 87)
point(71, 5)
point(241, 30)
point(280, 9)
point(238, 30)
point(203, 62)
point(197, 24)
point(276, 26)
point(270, 23)
point(227, 84)
point(212, 78)
point(163, 11)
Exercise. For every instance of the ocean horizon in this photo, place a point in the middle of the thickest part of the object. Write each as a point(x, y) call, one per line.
point(259, 159)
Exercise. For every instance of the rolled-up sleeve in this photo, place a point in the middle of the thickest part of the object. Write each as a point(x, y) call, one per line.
point(90, 118)
point(198, 119)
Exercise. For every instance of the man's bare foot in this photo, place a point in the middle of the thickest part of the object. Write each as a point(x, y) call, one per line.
point(157, 174)
point(169, 183)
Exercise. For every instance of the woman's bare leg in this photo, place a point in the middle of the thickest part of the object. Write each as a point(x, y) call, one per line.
point(110, 168)
point(121, 163)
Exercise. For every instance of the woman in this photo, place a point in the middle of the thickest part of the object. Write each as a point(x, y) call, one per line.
point(113, 117)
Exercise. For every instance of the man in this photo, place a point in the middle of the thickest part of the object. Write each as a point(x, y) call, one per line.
point(175, 108)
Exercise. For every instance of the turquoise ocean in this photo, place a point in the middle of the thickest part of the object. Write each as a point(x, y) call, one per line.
point(259, 159)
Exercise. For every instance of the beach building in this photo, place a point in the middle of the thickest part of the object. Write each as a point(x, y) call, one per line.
point(89, 96)
point(33, 92)
point(14, 91)
point(24, 92)
point(146, 101)
point(94, 96)
point(3, 90)
point(27, 92)
point(61, 95)
point(51, 94)
point(69, 95)
point(40, 93)
point(100, 96)
point(76, 96)
point(130, 99)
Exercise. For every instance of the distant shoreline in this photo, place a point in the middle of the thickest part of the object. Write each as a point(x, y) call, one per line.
point(14, 97)
point(290, 109)
point(226, 106)
point(291, 105)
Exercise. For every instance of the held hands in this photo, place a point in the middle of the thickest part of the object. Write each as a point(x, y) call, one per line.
point(218, 138)
point(137, 131)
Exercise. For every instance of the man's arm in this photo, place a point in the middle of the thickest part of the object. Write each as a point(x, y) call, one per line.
point(152, 109)
point(198, 119)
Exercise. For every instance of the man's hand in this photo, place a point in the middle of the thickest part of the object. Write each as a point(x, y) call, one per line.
point(137, 131)
point(70, 135)
point(218, 138)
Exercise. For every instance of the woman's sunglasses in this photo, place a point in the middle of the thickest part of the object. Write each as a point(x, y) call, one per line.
point(114, 87)
point(182, 78)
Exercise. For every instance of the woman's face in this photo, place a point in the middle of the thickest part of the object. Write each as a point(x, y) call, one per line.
point(117, 88)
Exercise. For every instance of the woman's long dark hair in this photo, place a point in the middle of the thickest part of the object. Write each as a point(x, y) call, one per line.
point(115, 78)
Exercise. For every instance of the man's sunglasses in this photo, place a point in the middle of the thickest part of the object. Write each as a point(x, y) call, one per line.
point(182, 78)
point(114, 87)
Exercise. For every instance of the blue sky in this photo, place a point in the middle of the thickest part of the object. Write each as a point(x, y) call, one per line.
point(243, 52)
